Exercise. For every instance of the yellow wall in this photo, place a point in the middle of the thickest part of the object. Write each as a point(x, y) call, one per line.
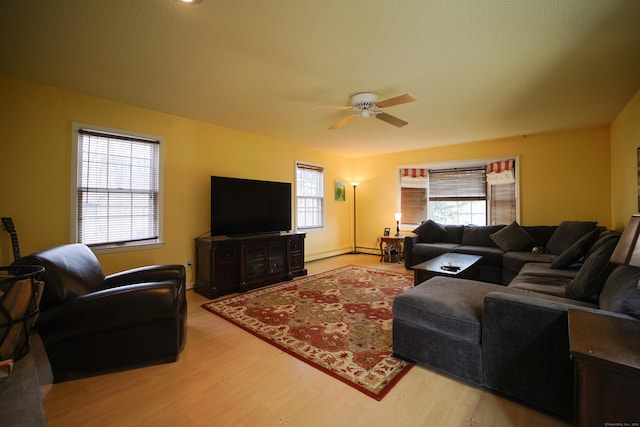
point(563, 176)
point(625, 140)
point(35, 157)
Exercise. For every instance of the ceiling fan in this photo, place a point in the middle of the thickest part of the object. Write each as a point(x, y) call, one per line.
point(366, 104)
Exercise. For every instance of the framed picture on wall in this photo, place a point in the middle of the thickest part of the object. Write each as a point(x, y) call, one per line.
point(638, 171)
point(339, 191)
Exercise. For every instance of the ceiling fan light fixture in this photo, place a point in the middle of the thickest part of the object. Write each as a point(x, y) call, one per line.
point(366, 105)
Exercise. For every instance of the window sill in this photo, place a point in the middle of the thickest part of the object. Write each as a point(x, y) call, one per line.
point(126, 247)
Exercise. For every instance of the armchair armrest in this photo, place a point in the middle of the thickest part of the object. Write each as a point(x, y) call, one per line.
point(152, 273)
point(109, 310)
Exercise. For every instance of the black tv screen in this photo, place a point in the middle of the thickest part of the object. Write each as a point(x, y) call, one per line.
point(246, 206)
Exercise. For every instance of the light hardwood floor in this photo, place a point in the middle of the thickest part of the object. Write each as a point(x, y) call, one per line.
point(227, 377)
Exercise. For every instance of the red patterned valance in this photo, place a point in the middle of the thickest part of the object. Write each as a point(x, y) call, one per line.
point(501, 172)
point(414, 173)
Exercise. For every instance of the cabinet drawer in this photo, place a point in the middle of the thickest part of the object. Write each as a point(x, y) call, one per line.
point(297, 262)
point(225, 253)
point(226, 273)
point(295, 245)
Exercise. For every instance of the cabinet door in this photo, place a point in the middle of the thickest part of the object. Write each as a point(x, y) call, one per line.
point(255, 261)
point(263, 262)
point(275, 258)
point(216, 268)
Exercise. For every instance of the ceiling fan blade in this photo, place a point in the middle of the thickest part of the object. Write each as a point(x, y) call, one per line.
point(392, 120)
point(344, 121)
point(402, 99)
point(334, 107)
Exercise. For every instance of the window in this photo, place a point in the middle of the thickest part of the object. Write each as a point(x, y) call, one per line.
point(413, 198)
point(309, 196)
point(115, 189)
point(476, 194)
point(502, 203)
point(458, 196)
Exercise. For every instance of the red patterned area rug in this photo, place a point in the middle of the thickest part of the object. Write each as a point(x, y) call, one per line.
point(338, 321)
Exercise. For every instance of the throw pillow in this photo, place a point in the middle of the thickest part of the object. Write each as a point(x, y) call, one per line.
point(430, 231)
point(567, 233)
point(576, 251)
point(593, 273)
point(621, 293)
point(512, 238)
point(603, 238)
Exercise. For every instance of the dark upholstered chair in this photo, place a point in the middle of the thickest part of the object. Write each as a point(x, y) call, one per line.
point(91, 324)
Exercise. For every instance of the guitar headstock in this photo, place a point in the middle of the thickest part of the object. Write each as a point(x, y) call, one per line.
point(7, 224)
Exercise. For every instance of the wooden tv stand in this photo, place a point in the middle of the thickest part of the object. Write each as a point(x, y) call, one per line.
point(226, 265)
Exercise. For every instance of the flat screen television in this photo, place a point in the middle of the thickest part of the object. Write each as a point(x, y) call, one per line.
point(247, 206)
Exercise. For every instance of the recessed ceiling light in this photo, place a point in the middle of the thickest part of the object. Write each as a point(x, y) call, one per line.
point(192, 1)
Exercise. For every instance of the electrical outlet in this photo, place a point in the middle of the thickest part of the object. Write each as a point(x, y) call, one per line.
point(188, 263)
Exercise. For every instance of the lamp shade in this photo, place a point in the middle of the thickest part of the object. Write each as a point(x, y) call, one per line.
point(627, 251)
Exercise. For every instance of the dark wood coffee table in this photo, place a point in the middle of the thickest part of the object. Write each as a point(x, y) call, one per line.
point(449, 264)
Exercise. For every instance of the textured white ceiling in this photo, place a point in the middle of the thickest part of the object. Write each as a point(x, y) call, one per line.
point(479, 69)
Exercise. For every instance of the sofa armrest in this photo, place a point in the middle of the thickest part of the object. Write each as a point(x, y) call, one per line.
point(525, 348)
point(409, 242)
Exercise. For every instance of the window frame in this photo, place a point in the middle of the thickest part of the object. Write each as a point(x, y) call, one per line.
point(321, 197)
point(75, 167)
point(461, 165)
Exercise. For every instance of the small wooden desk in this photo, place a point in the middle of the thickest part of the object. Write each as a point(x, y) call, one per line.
point(389, 241)
point(606, 351)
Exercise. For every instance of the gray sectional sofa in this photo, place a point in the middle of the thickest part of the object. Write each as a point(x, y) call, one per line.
point(504, 248)
point(513, 338)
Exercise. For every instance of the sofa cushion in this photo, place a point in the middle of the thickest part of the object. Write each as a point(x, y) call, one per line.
point(448, 305)
point(548, 285)
point(512, 238)
point(430, 231)
point(543, 269)
point(594, 272)
point(540, 233)
point(514, 261)
point(432, 250)
point(478, 235)
point(621, 293)
point(567, 233)
point(575, 252)
point(454, 234)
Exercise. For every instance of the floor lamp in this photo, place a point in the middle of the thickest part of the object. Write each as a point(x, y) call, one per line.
point(355, 184)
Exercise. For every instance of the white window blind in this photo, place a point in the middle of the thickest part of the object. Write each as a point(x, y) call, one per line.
point(457, 184)
point(458, 196)
point(309, 196)
point(117, 188)
point(502, 204)
point(413, 195)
